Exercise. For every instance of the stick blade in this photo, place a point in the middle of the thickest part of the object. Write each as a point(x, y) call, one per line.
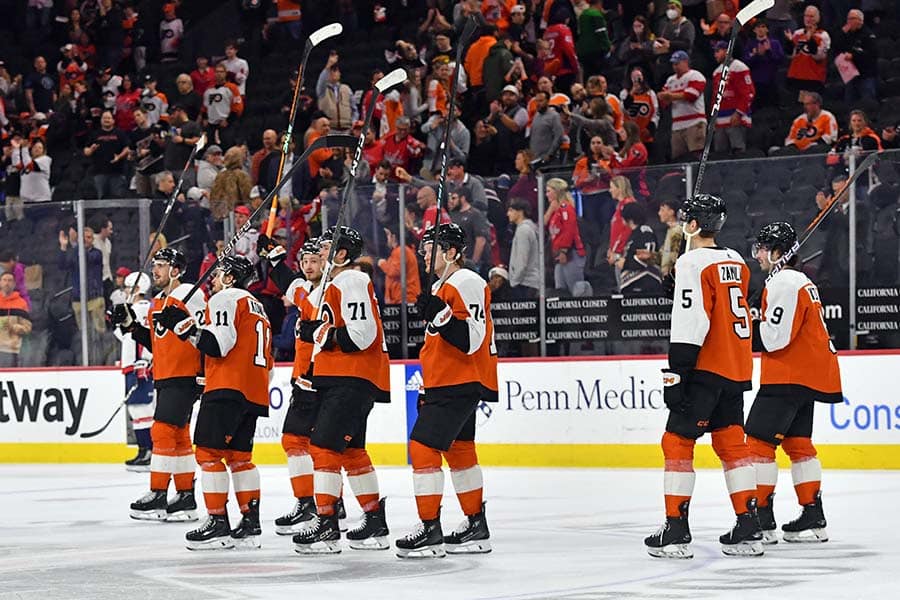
point(322, 34)
point(201, 142)
point(751, 10)
point(395, 77)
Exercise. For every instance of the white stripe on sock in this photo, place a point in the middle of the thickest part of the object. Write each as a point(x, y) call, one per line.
point(246, 481)
point(300, 465)
point(467, 480)
point(430, 483)
point(161, 463)
point(185, 464)
point(326, 482)
point(740, 479)
point(679, 483)
point(214, 482)
point(367, 483)
point(804, 471)
point(766, 473)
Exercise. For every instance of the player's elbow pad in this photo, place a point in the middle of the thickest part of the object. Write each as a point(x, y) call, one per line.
point(209, 345)
point(344, 341)
point(456, 333)
point(683, 356)
point(142, 336)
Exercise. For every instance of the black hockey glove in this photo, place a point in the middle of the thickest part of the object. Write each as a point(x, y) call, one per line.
point(122, 315)
point(177, 320)
point(264, 245)
point(316, 332)
point(675, 396)
point(429, 306)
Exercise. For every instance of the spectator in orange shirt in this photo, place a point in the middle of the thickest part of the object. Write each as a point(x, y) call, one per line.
point(393, 291)
point(814, 126)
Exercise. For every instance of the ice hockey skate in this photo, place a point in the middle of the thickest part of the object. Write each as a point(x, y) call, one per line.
point(150, 507)
point(214, 534)
point(341, 513)
point(301, 516)
point(141, 462)
point(471, 537)
point(426, 540)
point(322, 537)
point(673, 538)
point(809, 527)
point(182, 507)
point(767, 521)
point(248, 532)
point(745, 538)
point(371, 532)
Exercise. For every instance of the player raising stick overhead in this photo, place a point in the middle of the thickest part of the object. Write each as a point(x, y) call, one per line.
point(799, 366)
point(710, 367)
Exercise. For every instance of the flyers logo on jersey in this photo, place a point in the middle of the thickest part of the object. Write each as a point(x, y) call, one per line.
point(729, 273)
point(159, 330)
point(811, 131)
point(638, 109)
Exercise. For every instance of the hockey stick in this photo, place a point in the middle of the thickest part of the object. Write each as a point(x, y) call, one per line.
point(326, 141)
point(312, 41)
point(128, 395)
point(395, 77)
point(742, 18)
point(467, 32)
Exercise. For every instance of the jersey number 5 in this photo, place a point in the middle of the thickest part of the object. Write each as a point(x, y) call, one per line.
point(739, 310)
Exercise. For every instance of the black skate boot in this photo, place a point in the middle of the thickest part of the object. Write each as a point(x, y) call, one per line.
point(248, 531)
point(150, 507)
point(214, 534)
point(141, 462)
point(426, 540)
point(341, 513)
point(809, 526)
point(767, 521)
point(371, 532)
point(471, 537)
point(745, 538)
point(321, 537)
point(298, 519)
point(673, 538)
point(182, 508)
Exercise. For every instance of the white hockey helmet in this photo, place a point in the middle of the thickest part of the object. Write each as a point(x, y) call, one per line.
point(143, 283)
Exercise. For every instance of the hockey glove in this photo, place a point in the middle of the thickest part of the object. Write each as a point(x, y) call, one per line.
point(122, 315)
point(142, 369)
point(264, 245)
point(316, 332)
point(276, 255)
point(675, 391)
point(177, 320)
point(433, 310)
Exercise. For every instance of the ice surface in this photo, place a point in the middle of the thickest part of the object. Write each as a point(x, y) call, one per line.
point(568, 534)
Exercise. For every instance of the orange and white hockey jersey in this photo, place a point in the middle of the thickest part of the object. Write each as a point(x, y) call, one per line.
point(443, 364)
point(239, 323)
point(176, 362)
point(805, 131)
point(710, 315)
point(350, 302)
point(799, 355)
point(302, 295)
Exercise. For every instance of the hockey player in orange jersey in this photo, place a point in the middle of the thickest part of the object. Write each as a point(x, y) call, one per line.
point(236, 340)
point(710, 367)
point(175, 369)
point(799, 367)
point(350, 372)
point(459, 370)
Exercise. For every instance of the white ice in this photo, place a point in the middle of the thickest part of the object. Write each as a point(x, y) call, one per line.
point(557, 534)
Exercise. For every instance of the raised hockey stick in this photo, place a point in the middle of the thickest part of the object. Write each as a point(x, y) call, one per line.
point(128, 395)
point(317, 37)
point(326, 141)
point(743, 17)
point(467, 33)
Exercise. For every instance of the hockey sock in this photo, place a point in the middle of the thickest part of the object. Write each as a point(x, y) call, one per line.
point(326, 478)
point(428, 479)
point(465, 473)
point(679, 476)
point(806, 470)
point(163, 459)
point(214, 478)
point(143, 438)
point(142, 421)
point(740, 475)
point(763, 456)
point(244, 475)
point(185, 465)
point(300, 464)
point(362, 478)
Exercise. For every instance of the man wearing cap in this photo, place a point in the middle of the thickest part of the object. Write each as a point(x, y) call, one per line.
point(209, 167)
point(183, 134)
point(120, 294)
point(764, 55)
point(510, 119)
point(683, 91)
point(734, 119)
point(674, 34)
point(154, 102)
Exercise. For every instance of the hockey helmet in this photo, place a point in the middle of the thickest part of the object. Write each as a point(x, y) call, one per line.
point(776, 236)
point(709, 211)
point(172, 256)
point(348, 239)
point(139, 282)
point(450, 235)
point(310, 246)
point(240, 268)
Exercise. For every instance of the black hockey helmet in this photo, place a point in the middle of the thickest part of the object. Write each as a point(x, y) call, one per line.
point(173, 257)
point(349, 239)
point(310, 246)
point(776, 236)
point(240, 268)
point(450, 235)
point(708, 210)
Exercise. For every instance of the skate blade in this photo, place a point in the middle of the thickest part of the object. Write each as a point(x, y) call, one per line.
point(330, 547)
point(676, 551)
point(148, 515)
point(807, 536)
point(471, 547)
point(743, 549)
point(342, 525)
point(379, 542)
point(770, 537)
point(436, 551)
point(137, 468)
point(251, 542)
point(295, 528)
point(181, 516)
point(219, 543)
